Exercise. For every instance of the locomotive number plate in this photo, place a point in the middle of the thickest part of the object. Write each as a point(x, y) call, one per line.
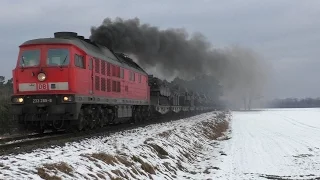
point(42, 101)
point(42, 86)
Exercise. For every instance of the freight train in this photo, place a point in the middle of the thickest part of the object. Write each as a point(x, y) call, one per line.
point(69, 82)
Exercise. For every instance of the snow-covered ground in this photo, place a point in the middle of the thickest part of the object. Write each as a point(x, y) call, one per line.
point(180, 149)
point(272, 144)
point(269, 144)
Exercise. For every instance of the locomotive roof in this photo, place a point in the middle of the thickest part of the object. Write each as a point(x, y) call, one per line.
point(92, 49)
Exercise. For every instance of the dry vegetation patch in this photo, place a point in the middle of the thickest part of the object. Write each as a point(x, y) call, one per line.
point(44, 175)
point(166, 134)
point(110, 159)
point(124, 161)
point(169, 167)
point(101, 176)
point(161, 152)
point(119, 173)
point(148, 168)
point(214, 130)
point(114, 178)
point(56, 167)
point(107, 158)
point(144, 165)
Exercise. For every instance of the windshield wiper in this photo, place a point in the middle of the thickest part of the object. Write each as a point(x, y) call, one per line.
point(22, 59)
point(63, 61)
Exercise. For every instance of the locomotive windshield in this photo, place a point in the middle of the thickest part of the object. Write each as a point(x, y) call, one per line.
point(30, 58)
point(58, 57)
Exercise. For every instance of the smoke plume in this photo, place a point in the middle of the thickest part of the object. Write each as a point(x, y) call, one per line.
point(174, 53)
point(244, 78)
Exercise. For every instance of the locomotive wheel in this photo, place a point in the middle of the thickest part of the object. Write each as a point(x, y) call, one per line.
point(100, 119)
point(92, 122)
point(135, 117)
point(111, 117)
point(57, 124)
point(140, 116)
point(146, 115)
point(101, 122)
point(149, 115)
point(103, 118)
point(81, 121)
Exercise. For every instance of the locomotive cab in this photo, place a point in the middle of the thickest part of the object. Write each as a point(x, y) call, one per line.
point(43, 81)
point(42, 69)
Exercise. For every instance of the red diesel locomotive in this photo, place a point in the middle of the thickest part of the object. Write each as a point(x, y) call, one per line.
point(71, 82)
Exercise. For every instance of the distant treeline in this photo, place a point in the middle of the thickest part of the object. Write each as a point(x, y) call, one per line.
point(294, 103)
point(6, 122)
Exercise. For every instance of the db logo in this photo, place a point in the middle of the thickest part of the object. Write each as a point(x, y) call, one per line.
point(42, 86)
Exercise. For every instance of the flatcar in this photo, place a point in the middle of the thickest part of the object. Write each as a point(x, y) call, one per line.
point(69, 82)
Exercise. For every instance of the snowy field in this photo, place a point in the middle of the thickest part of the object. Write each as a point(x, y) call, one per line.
point(269, 144)
point(173, 150)
point(272, 144)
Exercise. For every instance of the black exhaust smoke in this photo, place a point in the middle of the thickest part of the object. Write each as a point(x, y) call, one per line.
point(176, 54)
point(171, 50)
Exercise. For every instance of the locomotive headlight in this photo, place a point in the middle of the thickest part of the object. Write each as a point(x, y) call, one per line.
point(41, 76)
point(67, 98)
point(18, 100)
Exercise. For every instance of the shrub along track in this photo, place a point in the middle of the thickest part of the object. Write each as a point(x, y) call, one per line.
point(30, 142)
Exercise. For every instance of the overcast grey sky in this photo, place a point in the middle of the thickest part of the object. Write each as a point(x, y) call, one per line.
point(285, 32)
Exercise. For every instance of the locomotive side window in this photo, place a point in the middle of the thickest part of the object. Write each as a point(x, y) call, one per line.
point(30, 58)
point(132, 76)
point(114, 86)
point(79, 61)
point(58, 57)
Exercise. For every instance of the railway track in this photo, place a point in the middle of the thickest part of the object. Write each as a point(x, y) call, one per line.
point(18, 141)
point(12, 145)
point(30, 142)
point(7, 140)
